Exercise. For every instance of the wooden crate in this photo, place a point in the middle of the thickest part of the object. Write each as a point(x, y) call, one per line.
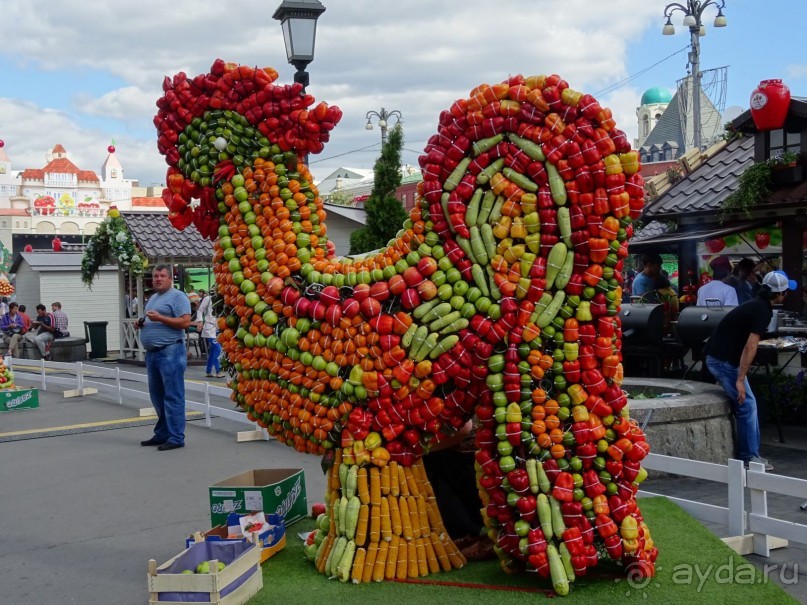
point(212, 583)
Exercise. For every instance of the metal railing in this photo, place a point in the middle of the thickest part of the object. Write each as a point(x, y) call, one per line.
point(84, 380)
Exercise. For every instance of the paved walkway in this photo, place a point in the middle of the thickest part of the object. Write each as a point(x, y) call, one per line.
point(86, 507)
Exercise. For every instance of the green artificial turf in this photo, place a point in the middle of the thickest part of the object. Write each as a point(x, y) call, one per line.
point(693, 567)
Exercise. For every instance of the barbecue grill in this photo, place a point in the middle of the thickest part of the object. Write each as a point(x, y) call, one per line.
point(696, 325)
point(642, 324)
point(643, 343)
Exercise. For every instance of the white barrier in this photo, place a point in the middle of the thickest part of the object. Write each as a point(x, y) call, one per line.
point(112, 383)
point(752, 532)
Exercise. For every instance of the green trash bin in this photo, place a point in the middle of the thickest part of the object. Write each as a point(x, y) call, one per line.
point(95, 332)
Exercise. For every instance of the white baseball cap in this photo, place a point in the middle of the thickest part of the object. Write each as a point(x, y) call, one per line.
point(778, 282)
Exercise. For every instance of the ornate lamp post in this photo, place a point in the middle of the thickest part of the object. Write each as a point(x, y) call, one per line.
point(383, 120)
point(298, 18)
point(693, 14)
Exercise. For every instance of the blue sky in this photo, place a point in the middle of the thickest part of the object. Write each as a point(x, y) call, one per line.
point(85, 73)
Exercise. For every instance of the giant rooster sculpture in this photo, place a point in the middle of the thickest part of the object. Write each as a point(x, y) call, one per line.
point(497, 301)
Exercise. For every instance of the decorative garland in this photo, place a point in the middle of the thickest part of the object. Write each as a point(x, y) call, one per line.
point(112, 240)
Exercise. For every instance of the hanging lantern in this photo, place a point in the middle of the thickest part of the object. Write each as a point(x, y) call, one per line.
point(769, 104)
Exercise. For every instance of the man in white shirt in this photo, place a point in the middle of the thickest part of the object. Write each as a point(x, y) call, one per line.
point(718, 289)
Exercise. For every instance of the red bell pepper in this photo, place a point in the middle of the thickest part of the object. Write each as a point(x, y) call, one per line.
point(619, 509)
point(519, 480)
point(606, 527)
point(594, 382)
point(551, 469)
point(613, 545)
point(581, 432)
point(614, 467)
point(630, 469)
point(536, 541)
point(574, 540)
point(587, 452)
point(602, 347)
point(572, 513)
point(638, 452)
point(571, 371)
point(526, 506)
point(588, 334)
point(587, 532)
point(588, 361)
point(563, 490)
point(592, 484)
point(541, 563)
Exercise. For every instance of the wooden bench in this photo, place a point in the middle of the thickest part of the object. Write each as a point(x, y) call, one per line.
point(67, 349)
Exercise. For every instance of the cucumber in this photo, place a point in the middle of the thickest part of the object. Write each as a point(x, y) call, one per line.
point(556, 185)
point(485, 208)
point(565, 273)
point(554, 262)
point(472, 211)
point(478, 246)
point(552, 310)
point(456, 175)
point(557, 572)
point(483, 145)
point(533, 150)
point(486, 231)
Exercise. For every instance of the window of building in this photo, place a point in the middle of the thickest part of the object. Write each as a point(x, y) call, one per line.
point(403, 199)
point(17, 224)
point(786, 139)
point(645, 126)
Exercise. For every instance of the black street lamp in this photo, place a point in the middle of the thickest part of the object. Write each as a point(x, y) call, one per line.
point(299, 21)
point(383, 121)
point(693, 13)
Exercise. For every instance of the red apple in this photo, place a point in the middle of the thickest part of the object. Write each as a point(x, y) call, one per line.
point(350, 308)
point(412, 276)
point(380, 291)
point(317, 509)
point(427, 265)
point(427, 289)
point(361, 291)
point(370, 307)
point(397, 285)
point(333, 314)
point(329, 295)
point(410, 298)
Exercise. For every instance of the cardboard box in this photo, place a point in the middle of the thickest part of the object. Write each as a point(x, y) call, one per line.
point(273, 491)
point(240, 579)
point(18, 399)
point(271, 540)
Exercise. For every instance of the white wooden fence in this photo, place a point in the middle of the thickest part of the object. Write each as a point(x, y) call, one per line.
point(748, 531)
point(116, 384)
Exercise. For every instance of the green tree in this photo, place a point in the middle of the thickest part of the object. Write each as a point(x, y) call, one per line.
point(385, 213)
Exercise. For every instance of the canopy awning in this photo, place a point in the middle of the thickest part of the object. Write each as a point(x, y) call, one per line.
point(686, 234)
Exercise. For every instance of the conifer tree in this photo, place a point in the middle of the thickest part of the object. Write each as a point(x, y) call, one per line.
point(385, 213)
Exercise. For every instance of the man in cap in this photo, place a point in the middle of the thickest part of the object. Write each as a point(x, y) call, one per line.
point(718, 289)
point(730, 351)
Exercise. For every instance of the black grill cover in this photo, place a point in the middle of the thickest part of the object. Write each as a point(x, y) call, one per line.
point(642, 324)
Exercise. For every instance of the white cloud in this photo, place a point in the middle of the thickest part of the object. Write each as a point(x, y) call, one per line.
point(797, 71)
point(417, 56)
